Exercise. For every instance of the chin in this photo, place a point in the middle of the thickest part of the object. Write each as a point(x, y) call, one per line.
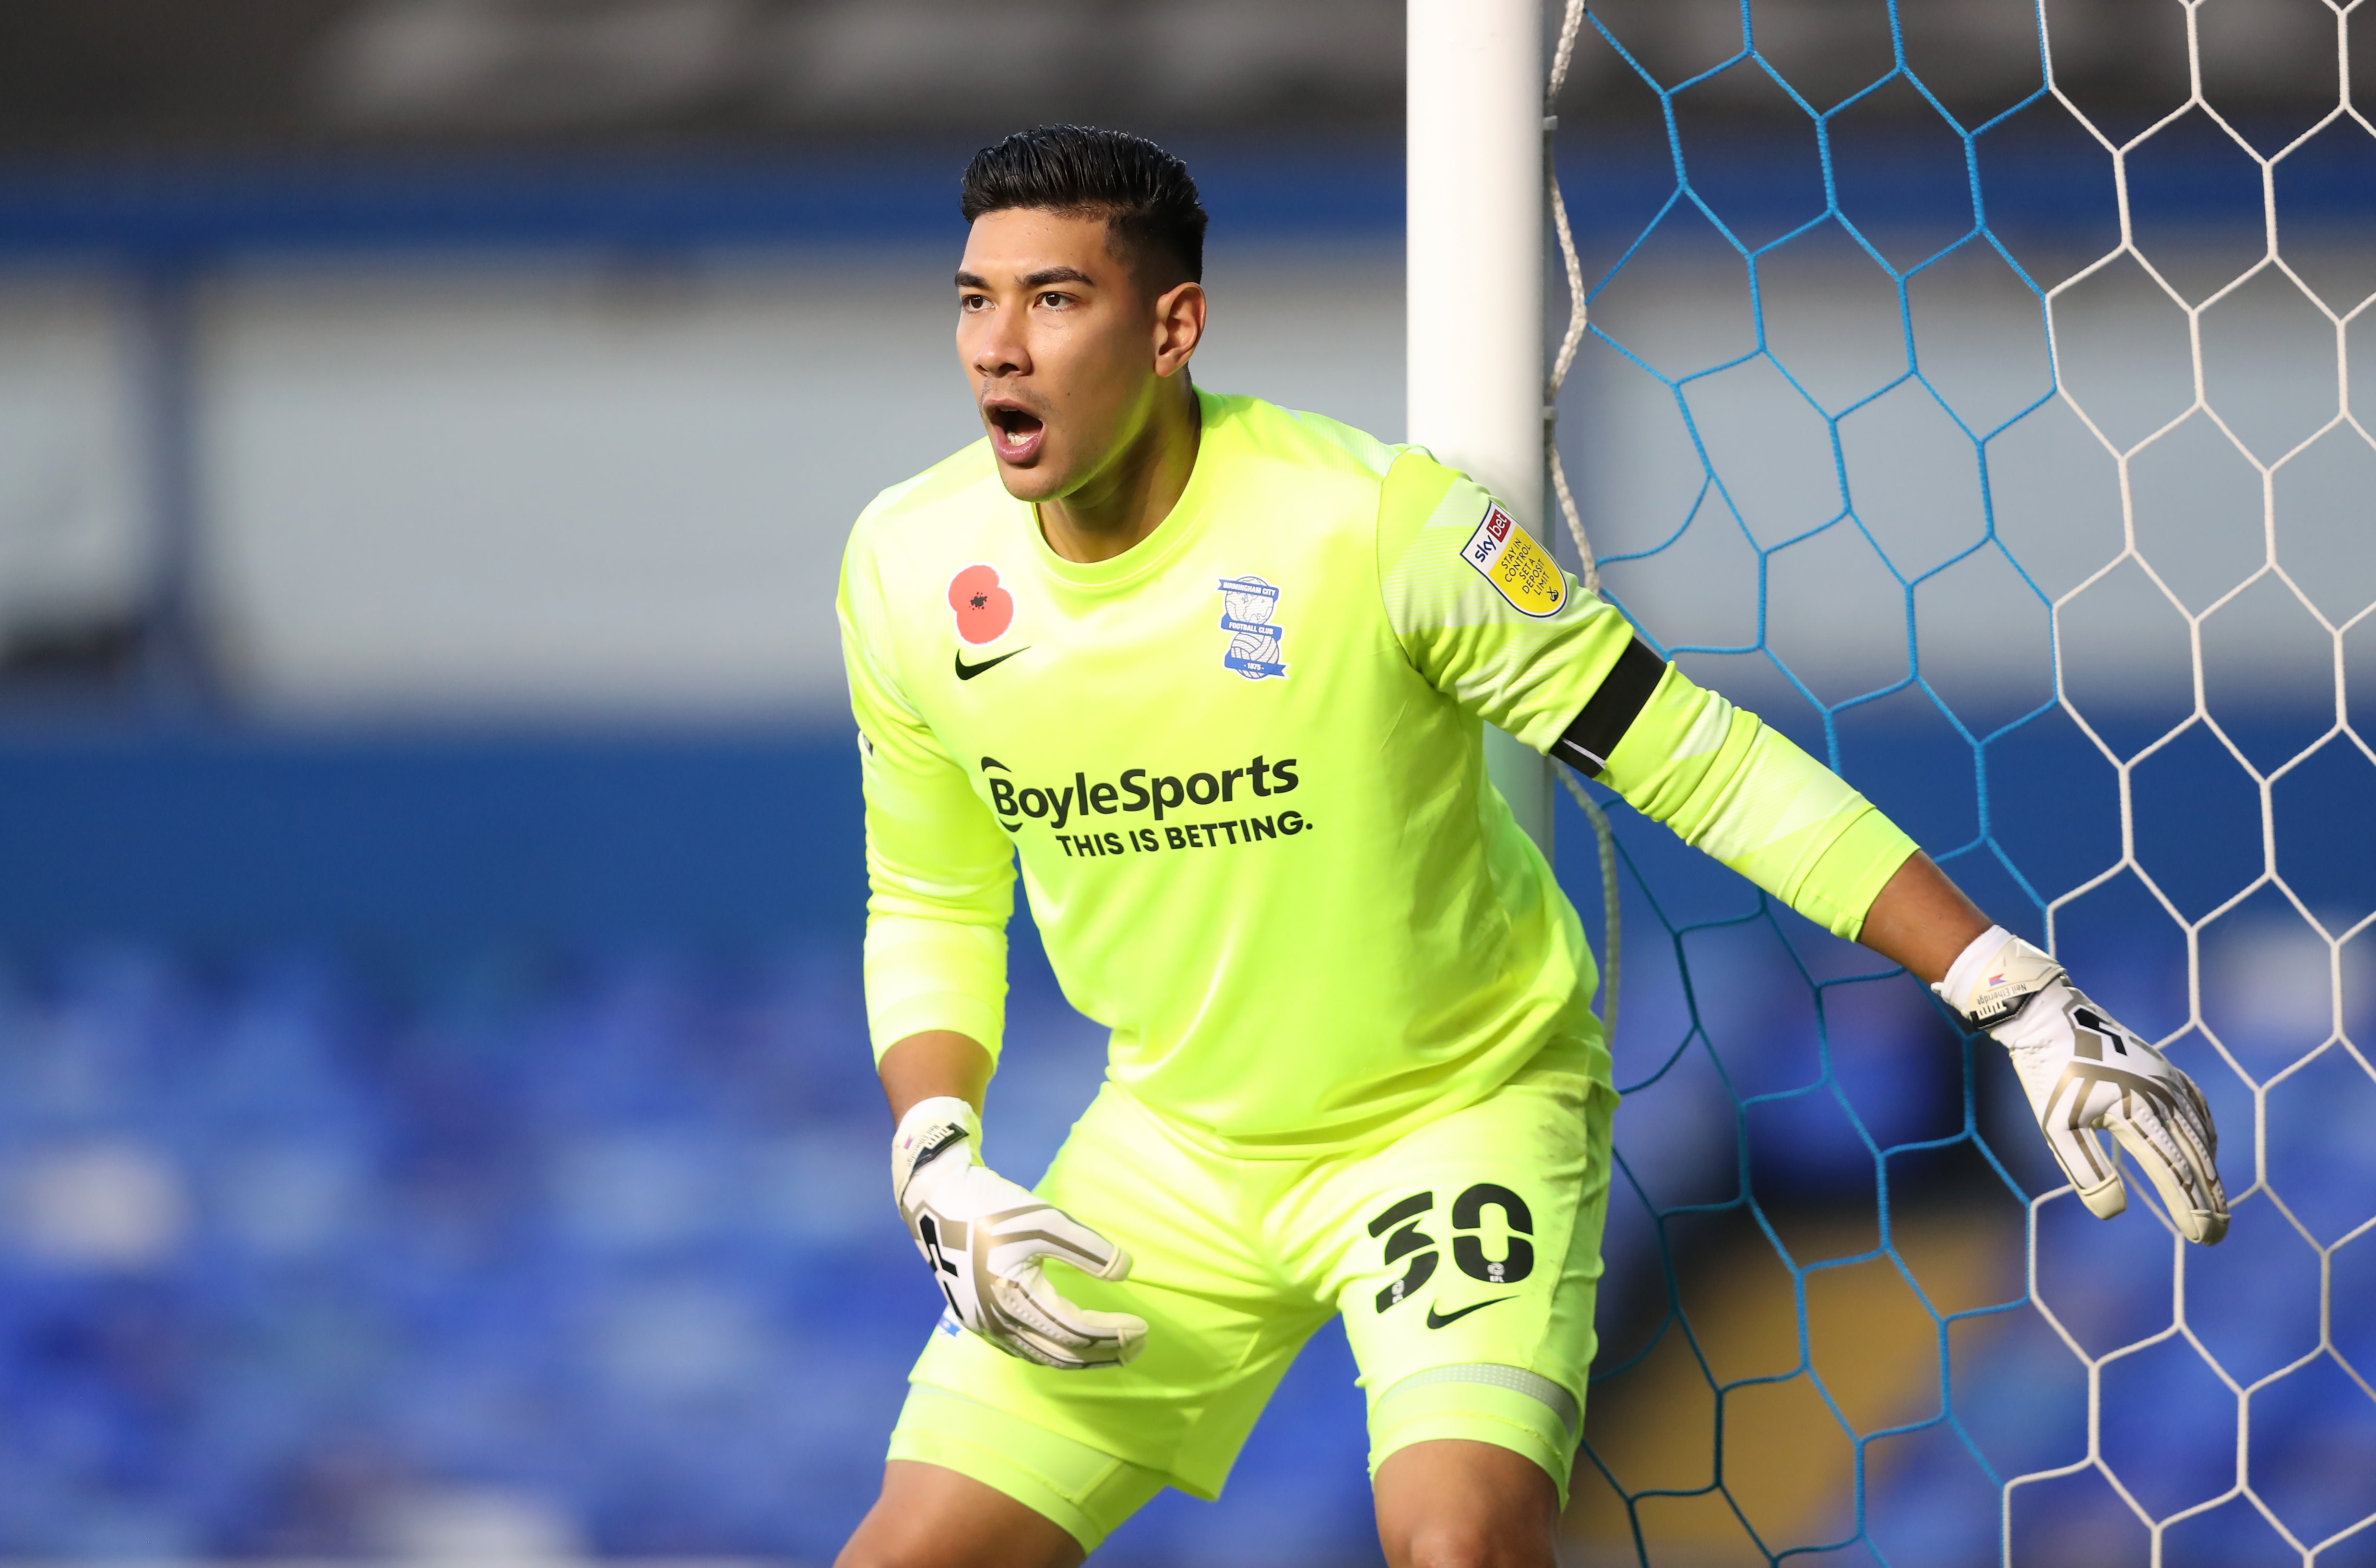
point(1036, 483)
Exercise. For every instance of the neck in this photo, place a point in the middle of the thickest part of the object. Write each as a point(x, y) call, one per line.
point(1129, 498)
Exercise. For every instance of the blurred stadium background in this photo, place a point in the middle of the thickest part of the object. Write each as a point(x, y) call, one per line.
point(435, 1119)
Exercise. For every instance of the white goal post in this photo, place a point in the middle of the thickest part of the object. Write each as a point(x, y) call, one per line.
point(2093, 425)
point(1474, 280)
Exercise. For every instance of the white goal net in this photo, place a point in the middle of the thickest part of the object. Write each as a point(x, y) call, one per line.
point(1992, 431)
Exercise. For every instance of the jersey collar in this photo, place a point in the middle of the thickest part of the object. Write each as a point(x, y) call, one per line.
point(1150, 555)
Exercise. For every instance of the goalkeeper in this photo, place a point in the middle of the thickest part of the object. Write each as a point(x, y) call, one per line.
point(1216, 673)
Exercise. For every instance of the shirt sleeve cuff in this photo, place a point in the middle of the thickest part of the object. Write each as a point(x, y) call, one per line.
point(933, 974)
point(1839, 888)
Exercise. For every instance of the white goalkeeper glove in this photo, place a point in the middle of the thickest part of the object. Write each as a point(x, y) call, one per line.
point(984, 1238)
point(2083, 1072)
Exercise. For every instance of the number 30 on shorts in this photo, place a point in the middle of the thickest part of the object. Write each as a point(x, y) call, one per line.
point(1468, 1248)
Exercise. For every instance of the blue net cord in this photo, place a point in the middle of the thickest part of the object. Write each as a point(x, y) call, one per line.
point(1815, 1344)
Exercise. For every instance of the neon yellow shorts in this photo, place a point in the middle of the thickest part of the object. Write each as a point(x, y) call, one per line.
point(1464, 1256)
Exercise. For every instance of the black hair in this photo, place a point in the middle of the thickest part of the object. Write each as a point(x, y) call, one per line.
point(1153, 219)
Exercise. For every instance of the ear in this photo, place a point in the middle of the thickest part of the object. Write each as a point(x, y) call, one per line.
point(1179, 326)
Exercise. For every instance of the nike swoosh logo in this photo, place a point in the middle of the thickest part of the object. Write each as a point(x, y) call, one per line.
point(1449, 1318)
point(968, 672)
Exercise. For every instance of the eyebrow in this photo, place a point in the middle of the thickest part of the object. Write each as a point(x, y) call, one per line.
point(1038, 280)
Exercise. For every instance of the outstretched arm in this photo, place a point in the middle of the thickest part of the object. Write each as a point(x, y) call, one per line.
point(1483, 614)
point(1725, 783)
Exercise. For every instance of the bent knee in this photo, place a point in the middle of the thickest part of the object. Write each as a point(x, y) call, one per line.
point(1477, 1544)
point(1455, 1503)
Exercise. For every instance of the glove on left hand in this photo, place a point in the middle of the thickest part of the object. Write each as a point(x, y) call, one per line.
point(2083, 1071)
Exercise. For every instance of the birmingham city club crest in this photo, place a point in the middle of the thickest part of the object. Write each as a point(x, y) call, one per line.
point(1247, 604)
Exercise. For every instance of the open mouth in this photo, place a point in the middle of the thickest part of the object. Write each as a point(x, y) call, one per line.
point(1017, 434)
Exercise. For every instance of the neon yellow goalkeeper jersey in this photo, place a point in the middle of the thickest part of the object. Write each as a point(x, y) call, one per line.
point(1241, 767)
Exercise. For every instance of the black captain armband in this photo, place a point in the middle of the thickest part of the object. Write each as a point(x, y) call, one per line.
point(1586, 743)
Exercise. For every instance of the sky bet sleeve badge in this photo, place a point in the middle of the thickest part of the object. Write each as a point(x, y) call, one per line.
point(1520, 570)
point(1246, 607)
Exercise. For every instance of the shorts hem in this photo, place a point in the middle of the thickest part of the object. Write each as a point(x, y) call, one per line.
point(1081, 1489)
point(994, 1471)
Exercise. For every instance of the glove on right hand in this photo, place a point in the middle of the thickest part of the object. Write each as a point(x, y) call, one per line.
point(2083, 1072)
point(984, 1238)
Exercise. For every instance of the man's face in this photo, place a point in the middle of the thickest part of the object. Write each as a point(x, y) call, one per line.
point(1060, 341)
